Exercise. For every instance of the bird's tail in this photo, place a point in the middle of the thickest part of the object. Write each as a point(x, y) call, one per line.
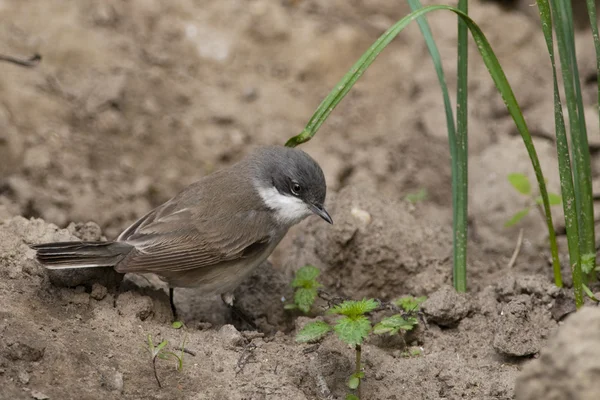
point(68, 255)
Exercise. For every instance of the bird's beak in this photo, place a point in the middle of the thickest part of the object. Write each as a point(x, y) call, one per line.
point(321, 212)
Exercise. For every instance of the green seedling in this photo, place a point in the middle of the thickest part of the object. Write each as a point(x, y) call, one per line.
point(396, 323)
point(410, 304)
point(417, 196)
point(159, 351)
point(177, 325)
point(412, 352)
point(354, 327)
point(521, 183)
point(306, 285)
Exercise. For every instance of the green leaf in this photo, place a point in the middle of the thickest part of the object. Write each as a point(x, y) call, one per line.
point(520, 182)
point(553, 198)
point(589, 293)
point(168, 355)
point(588, 262)
point(313, 331)
point(415, 352)
point(150, 343)
point(517, 217)
point(393, 324)
point(352, 397)
point(353, 331)
point(161, 345)
point(416, 196)
point(306, 277)
point(410, 303)
point(290, 306)
point(353, 382)
point(352, 308)
point(304, 298)
point(177, 324)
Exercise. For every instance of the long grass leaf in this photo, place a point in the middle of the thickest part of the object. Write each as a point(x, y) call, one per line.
point(460, 220)
point(591, 7)
point(563, 25)
point(564, 161)
point(459, 226)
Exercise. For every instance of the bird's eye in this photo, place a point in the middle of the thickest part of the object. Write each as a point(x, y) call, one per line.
point(296, 188)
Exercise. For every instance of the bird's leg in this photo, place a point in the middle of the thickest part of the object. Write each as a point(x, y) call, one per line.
point(172, 303)
point(228, 299)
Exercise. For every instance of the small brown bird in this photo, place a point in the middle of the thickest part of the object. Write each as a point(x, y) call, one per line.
point(214, 232)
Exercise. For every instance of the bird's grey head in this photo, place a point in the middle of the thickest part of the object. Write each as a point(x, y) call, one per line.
point(291, 183)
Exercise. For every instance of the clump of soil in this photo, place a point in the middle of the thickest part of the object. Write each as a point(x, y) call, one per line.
point(569, 367)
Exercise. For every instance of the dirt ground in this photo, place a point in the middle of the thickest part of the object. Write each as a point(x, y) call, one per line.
point(134, 100)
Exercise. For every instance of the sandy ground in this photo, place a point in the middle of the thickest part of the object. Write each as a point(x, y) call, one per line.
point(134, 100)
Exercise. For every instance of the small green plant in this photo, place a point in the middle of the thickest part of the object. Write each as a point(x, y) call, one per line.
point(521, 183)
point(410, 304)
point(353, 327)
point(159, 351)
point(306, 285)
point(416, 197)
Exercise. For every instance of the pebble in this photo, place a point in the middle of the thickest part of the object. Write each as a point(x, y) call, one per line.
point(231, 336)
point(23, 377)
point(37, 395)
point(362, 215)
point(117, 382)
point(98, 291)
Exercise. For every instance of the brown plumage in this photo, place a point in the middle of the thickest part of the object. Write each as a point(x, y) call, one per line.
point(216, 231)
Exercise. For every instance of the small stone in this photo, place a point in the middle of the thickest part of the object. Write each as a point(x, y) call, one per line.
point(446, 307)
point(362, 215)
point(98, 291)
point(116, 383)
point(23, 377)
point(378, 376)
point(37, 395)
point(231, 336)
point(218, 368)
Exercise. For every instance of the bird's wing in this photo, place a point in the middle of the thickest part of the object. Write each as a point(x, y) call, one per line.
point(169, 239)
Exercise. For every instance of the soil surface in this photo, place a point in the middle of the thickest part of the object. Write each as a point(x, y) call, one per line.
point(132, 101)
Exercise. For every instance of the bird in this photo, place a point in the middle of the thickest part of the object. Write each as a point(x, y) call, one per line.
point(214, 232)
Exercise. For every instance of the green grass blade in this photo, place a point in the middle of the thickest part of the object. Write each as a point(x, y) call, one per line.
point(458, 157)
point(494, 68)
point(591, 7)
point(563, 25)
point(564, 164)
point(462, 201)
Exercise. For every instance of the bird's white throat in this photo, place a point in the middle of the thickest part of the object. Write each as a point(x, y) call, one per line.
point(288, 209)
